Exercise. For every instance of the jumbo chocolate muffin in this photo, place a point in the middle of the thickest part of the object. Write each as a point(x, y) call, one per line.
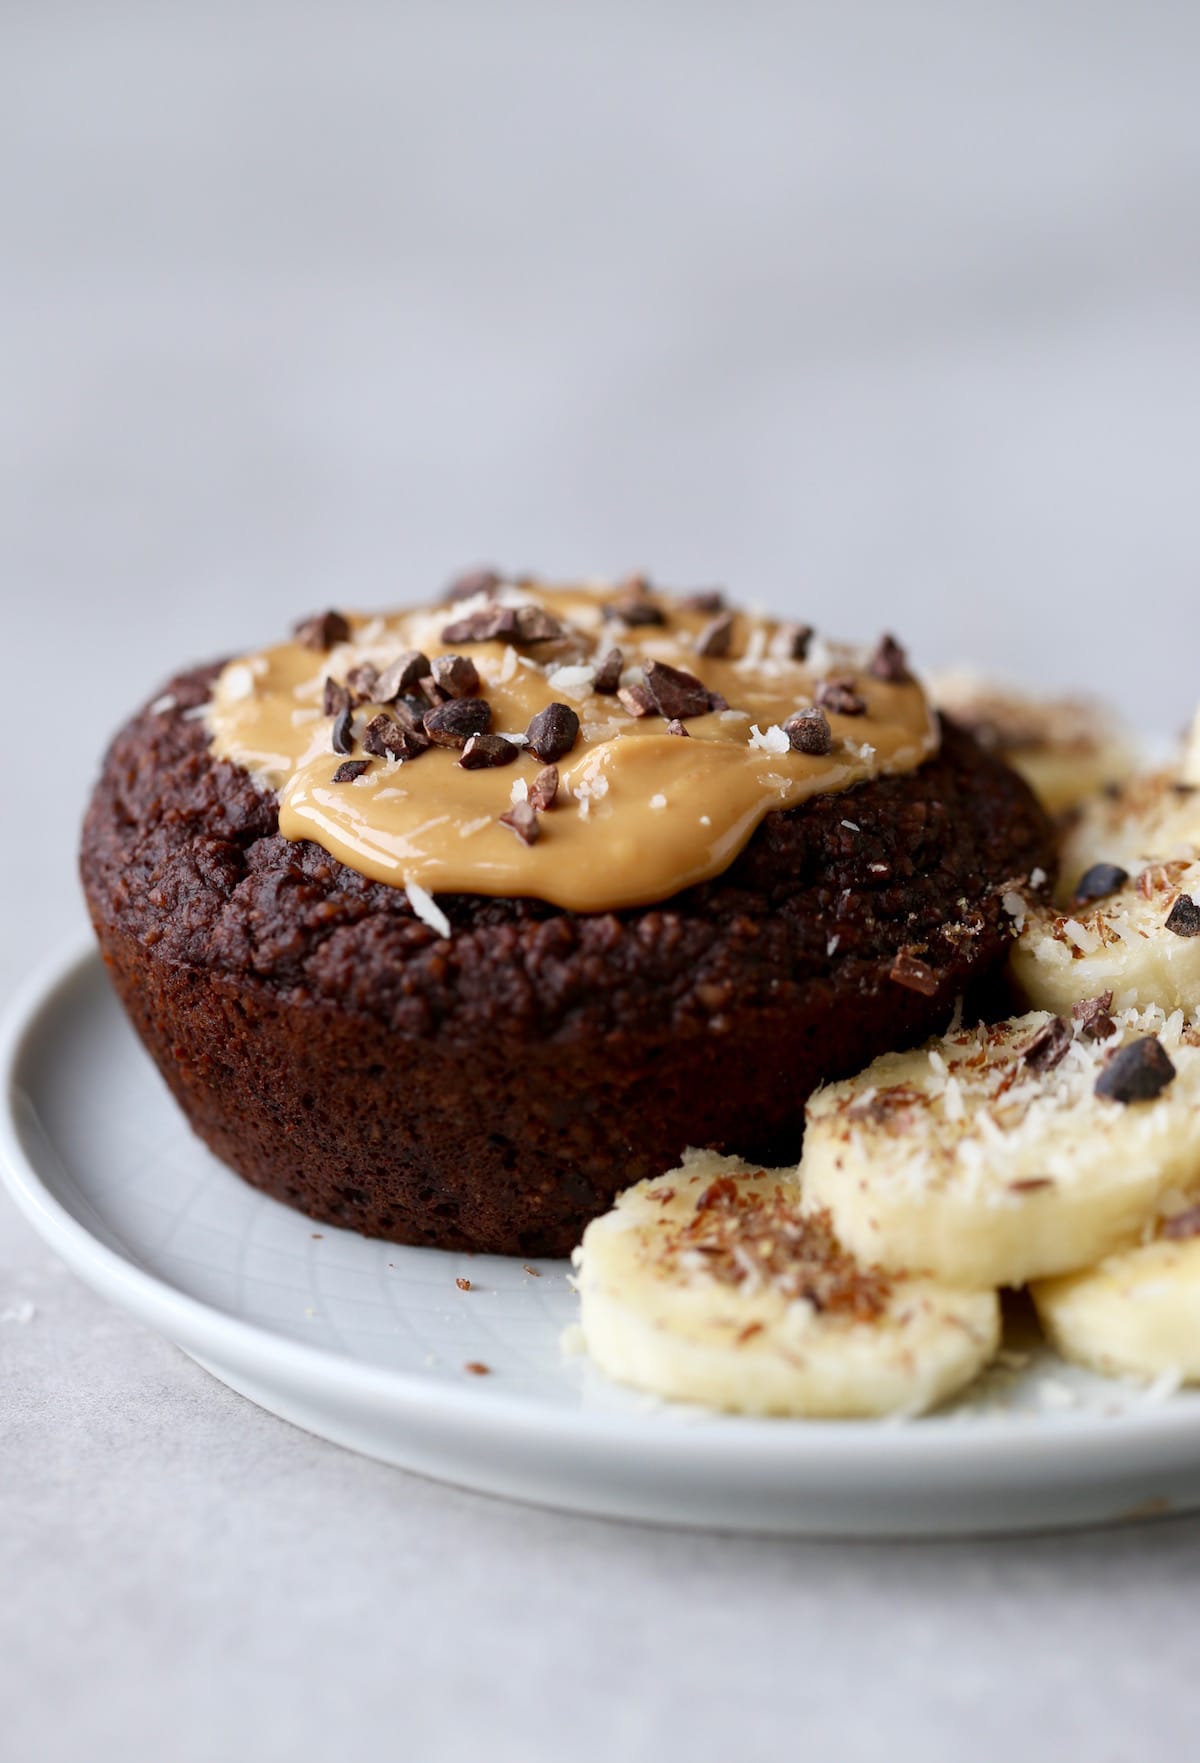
point(451, 950)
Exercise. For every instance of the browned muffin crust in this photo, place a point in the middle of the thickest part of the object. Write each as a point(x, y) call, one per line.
point(493, 1091)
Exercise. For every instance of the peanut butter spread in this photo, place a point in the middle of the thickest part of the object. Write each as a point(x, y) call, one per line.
point(593, 747)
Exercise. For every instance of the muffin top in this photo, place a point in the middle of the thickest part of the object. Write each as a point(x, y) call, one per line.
point(592, 746)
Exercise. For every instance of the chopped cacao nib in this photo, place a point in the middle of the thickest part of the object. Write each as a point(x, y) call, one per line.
point(1137, 1073)
point(401, 675)
point(889, 662)
point(675, 692)
point(716, 702)
point(637, 700)
point(336, 699)
point(456, 675)
point(1099, 881)
point(430, 692)
point(1184, 917)
point(793, 640)
point(410, 713)
point(544, 788)
point(464, 1285)
point(491, 624)
point(840, 696)
point(524, 822)
point(633, 605)
point(349, 769)
point(1049, 1045)
point(1092, 1016)
point(389, 739)
point(453, 724)
point(675, 727)
point(1031, 1184)
point(808, 732)
point(484, 751)
point(553, 732)
point(535, 625)
point(472, 582)
point(342, 733)
point(1182, 1224)
point(322, 630)
point(608, 672)
point(361, 682)
point(477, 1368)
point(914, 975)
point(705, 600)
point(717, 636)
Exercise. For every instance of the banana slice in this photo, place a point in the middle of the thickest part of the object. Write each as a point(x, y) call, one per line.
point(1139, 940)
point(994, 1156)
point(1154, 817)
point(1066, 749)
point(1137, 1313)
point(714, 1284)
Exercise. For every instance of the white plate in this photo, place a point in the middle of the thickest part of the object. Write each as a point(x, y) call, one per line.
point(366, 1344)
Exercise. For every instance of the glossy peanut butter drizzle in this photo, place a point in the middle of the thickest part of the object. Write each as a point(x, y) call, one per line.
point(640, 813)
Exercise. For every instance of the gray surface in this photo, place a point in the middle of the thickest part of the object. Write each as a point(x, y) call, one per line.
point(885, 313)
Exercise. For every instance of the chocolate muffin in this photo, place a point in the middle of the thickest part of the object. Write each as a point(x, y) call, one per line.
point(485, 1068)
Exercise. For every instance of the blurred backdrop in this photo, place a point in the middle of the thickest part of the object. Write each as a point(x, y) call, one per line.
point(884, 313)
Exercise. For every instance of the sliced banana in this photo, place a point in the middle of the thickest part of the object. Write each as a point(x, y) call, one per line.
point(715, 1284)
point(1066, 749)
point(1140, 941)
point(1137, 1313)
point(987, 1158)
point(1154, 817)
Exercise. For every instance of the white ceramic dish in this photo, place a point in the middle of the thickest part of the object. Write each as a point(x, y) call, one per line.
point(367, 1344)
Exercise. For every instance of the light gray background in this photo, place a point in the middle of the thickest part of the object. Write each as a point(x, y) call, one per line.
point(886, 313)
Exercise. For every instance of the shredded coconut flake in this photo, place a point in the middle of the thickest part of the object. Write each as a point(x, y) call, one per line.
point(161, 705)
point(658, 802)
point(239, 681)
point(519, 791)
point(427, 908)
point(769, 740)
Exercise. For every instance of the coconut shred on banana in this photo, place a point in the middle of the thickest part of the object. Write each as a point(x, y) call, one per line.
point(1059, 1148)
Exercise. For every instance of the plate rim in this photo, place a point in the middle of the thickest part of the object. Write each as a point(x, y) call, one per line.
point(1035, 1439)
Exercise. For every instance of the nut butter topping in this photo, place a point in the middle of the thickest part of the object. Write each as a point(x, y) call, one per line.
point(636, 814)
